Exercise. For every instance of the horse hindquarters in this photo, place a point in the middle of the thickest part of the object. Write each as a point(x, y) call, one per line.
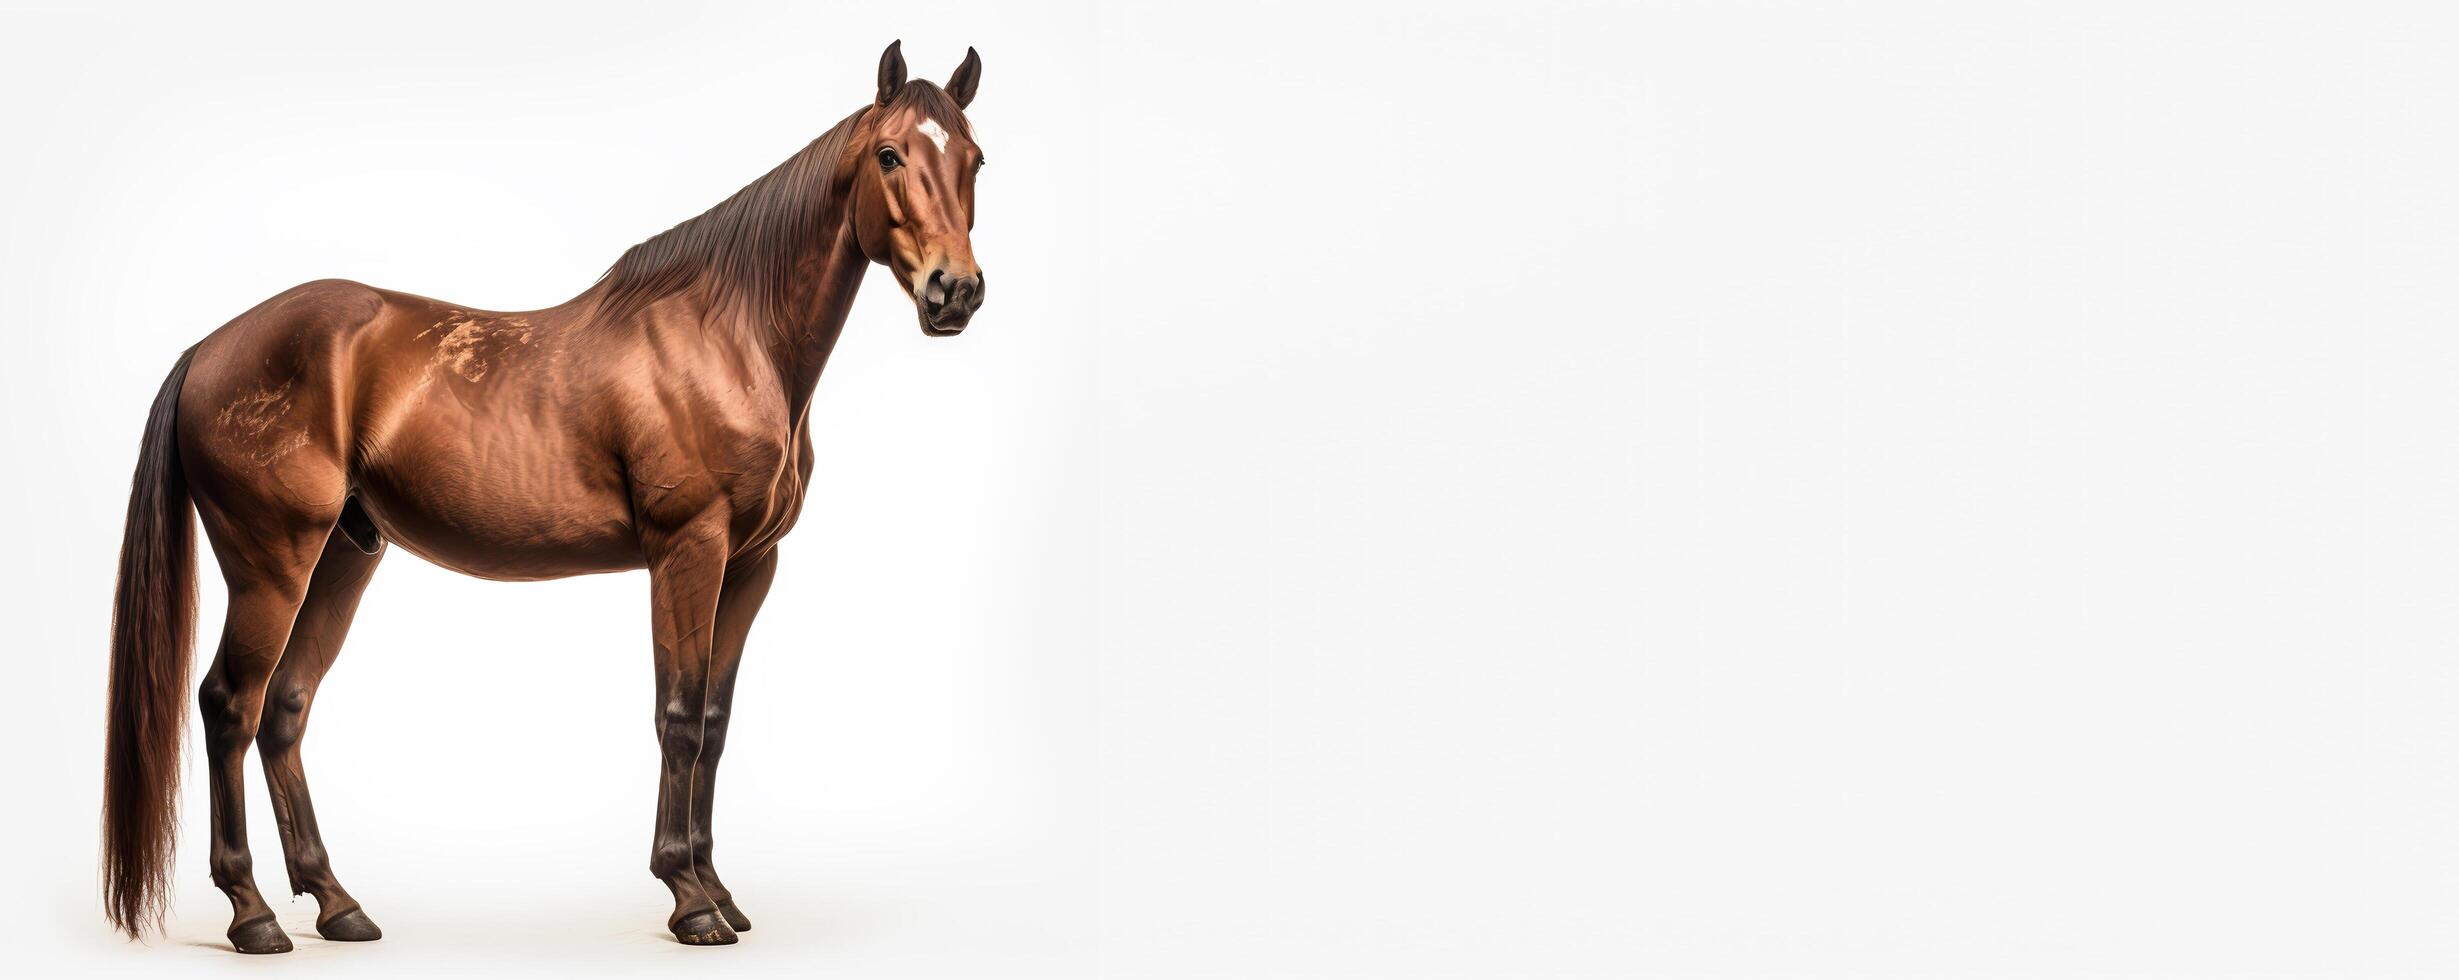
point(265, 466)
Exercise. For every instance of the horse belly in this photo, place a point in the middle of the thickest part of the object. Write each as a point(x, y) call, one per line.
point(500, 514)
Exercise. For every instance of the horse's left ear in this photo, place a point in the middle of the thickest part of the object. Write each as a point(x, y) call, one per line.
point(891, 70)
point(967, 79)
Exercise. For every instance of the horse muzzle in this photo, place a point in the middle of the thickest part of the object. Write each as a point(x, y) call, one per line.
point(946, 303)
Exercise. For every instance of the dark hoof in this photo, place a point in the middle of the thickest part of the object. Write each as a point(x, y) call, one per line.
point(350, 927)
point(734, 916)
point(260, 936)
point(704, 929)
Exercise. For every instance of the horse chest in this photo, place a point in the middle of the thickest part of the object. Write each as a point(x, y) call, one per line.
point(747, 477)
point(766, 512)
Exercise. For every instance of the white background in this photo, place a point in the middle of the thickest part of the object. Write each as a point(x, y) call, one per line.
point(1729, 490)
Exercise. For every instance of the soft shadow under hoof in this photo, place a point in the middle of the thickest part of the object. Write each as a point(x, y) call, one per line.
point(734, 916)
point(260, 936)
point(350, 927)
point(704, 929)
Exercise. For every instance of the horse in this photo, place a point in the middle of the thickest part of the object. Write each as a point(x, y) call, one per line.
point(655, 421)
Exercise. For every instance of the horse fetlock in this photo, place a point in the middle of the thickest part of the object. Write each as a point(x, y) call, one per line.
point(670, 861)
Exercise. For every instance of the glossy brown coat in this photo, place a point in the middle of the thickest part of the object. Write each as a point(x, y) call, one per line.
point(655, 421)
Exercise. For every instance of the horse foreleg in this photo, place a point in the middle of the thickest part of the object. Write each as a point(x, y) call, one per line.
point(333, 594)
point(686, 576)
point(737, 604)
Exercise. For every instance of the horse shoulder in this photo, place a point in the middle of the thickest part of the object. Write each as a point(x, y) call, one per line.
point(697, 449)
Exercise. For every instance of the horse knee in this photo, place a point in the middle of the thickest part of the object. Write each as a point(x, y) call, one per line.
point(680, 729)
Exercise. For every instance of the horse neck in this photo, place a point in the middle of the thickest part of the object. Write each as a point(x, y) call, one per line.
point(794, 335)
point(825, 281)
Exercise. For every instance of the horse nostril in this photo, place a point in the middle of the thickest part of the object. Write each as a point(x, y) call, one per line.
point(935, 291)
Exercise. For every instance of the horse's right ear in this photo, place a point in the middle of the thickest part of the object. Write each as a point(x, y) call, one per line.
point(891, 71)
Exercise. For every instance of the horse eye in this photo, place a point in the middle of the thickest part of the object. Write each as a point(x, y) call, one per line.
point(888, 159)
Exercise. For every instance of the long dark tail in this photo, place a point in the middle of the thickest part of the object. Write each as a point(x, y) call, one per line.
point(153, 624)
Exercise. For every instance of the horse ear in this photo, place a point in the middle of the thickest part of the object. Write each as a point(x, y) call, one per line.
point(967, 79)
point(891, 70)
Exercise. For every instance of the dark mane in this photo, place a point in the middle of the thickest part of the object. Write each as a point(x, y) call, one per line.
point(744, 249)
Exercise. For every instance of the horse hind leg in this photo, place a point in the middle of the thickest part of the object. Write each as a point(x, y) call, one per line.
point(263, 444)
point(268, 540)
point(268, 574)
point(333, 592)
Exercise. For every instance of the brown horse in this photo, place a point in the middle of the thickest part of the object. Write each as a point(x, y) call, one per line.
point(655, 421)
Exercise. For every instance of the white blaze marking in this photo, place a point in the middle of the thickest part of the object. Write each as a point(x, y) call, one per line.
point(939, 137)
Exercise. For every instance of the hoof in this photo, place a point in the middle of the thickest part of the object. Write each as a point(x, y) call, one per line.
point(260, 936)
point(703, 929)
point(350, 927)
point(734, 916)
